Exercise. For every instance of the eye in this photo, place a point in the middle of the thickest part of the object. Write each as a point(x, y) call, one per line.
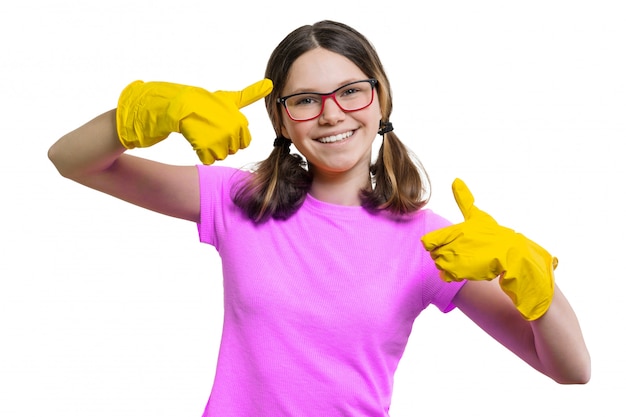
point(304, 100)
point(350, 91)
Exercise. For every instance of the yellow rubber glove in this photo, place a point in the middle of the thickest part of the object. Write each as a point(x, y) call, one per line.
point(148, 112)
point(481, 249)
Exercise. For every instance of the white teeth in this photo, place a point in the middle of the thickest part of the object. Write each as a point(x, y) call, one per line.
point(336, 138)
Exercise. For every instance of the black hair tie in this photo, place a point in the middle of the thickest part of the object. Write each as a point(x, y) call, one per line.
point(282, 141)
point(384, 127)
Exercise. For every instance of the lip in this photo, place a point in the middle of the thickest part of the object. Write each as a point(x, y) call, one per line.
point(334, 138)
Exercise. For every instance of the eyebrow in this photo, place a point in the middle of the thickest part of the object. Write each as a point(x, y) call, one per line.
point(310, 90)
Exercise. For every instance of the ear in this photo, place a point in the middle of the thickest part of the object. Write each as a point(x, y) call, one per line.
point(283, 132)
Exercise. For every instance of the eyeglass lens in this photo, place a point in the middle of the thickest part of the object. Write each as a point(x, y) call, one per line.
point(350, 97)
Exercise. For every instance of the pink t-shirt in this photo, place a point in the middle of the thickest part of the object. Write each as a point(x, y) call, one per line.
point(317, 308)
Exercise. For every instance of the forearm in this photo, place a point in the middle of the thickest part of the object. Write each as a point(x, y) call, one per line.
point(89, 149)
point(559, 343)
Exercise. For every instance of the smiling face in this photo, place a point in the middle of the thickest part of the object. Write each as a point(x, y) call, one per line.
point(336, 142)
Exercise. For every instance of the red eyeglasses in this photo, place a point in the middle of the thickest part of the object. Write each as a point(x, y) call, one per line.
point(350, 97)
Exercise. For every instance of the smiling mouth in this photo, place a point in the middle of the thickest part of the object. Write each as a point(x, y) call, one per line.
point(336, 138)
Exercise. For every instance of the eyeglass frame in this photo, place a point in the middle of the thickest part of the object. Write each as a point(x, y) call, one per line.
point(325, 96)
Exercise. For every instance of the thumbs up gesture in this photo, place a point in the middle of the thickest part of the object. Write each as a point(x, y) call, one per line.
point(480, 249)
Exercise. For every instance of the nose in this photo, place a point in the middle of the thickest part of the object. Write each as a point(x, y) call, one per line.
point(331, 111)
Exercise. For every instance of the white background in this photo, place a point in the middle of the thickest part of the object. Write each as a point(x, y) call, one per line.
point(110, 310)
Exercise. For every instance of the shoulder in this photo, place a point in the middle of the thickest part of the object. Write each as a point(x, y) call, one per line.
point(209, 172)
point(215, 177)
point(434, 221)
point(425, 220)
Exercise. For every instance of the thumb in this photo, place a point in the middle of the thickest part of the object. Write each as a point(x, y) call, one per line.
point(464, 198)
point(249, 94)
point(465, 201)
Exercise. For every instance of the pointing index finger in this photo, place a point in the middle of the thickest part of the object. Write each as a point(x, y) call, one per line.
point(251, 93)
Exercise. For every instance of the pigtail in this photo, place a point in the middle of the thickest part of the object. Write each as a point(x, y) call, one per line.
point(278, 186)
point(399, 182)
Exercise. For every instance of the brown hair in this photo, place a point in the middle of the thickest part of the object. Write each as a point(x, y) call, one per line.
point(281, 182)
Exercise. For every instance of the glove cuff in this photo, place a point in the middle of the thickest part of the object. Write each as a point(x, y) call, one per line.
point(532, 287)
point(146, 113)
point(125, 116)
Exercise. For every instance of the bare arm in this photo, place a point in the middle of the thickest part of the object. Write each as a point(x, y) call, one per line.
point(92, 155)
point(552, 344)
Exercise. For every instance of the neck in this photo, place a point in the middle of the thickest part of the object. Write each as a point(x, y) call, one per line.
point(338, 188)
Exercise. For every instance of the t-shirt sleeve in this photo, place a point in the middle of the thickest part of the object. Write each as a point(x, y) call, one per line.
point(437, 291)
point(215, 184)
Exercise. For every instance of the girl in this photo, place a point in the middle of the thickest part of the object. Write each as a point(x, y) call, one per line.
point(327, 259)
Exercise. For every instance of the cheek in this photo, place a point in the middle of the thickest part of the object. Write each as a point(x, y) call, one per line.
point(377, 110)
point(294, 131)
point(372, 117)
point(289, 131)
point(288, 127)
